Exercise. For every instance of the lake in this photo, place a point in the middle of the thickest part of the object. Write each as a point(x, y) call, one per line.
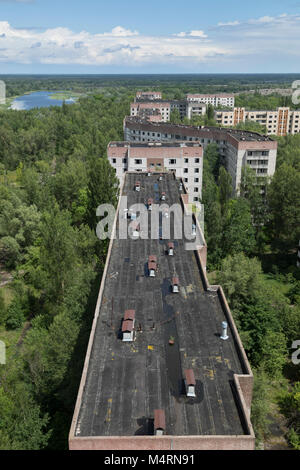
point(38, 99)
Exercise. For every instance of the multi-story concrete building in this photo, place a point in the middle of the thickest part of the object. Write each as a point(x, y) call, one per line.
point(150, 114)
point(220, 99)
point(147, 100)
point(237, 148)
point(281, 122)
point(185, 159)
point(195, 109)
point(148, 95)
point(133, 394)
point(162, 107)
point(181, 106)
point(165, 108)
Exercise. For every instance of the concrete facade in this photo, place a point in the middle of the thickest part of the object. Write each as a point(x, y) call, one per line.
point(149, 95)
point(163, 108)
point(154, 101)
point(219, 99)
point(237, 148)
point(182, 158)
point(281, 122)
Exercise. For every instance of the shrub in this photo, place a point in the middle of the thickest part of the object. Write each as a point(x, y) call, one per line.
point(15, 315)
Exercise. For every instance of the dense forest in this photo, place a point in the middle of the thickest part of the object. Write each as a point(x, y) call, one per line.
point(172, 86)
point(53, 175)
point(252, 251)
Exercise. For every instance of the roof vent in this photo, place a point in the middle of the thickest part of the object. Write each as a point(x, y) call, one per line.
point(171, 249)
point(175, 285)
point(128, 325)
point(152, 265)
point(159, 422)
point(135, 228)
point(190, 383)
point(224, 335)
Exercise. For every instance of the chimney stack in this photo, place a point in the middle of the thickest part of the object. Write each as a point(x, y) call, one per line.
point(159, 422)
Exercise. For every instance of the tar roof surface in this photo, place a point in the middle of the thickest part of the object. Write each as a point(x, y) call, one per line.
point(239, 135)
point(126, 382)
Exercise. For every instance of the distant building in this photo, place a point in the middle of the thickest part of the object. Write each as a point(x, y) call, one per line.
point(220, 99)
point(195, 109)
point(150, 95)
point(281, 122)
point(161, 109)
point(237, 148)
point(153, 101)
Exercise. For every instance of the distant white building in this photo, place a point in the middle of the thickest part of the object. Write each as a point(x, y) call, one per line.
point(281, 122)
point(220, 99)
point(149, 95)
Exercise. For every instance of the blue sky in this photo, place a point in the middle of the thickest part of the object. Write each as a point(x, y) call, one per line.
point(165, 36)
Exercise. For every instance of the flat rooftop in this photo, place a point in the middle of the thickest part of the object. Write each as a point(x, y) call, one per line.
point(177, 144)
point(237, 134)
point(126, 382)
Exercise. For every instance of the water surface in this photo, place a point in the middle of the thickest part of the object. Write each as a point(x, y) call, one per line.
point(38, 99)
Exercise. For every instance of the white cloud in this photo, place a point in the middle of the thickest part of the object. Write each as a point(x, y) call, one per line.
point(273, 39)
point(266, 19)
point(230, 23)
point(119, 46)
point(284, 29)
point(122, 32)
point(194, 34)
point(197, 34)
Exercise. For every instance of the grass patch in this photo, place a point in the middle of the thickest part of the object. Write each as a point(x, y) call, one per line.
point(65, 95)
point(8, 177)
point(280, 286)
point(7, 295)
point(8, 103)
point(211, 276)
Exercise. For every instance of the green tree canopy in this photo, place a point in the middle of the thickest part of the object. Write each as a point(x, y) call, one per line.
point(284, 204)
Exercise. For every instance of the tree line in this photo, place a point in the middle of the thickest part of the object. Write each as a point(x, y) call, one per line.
point(54, 174)
point(252, 250)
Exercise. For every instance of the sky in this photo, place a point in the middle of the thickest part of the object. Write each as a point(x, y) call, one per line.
point(159, 36)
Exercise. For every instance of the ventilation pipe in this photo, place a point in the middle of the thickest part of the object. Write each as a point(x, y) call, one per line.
point(224, 331)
